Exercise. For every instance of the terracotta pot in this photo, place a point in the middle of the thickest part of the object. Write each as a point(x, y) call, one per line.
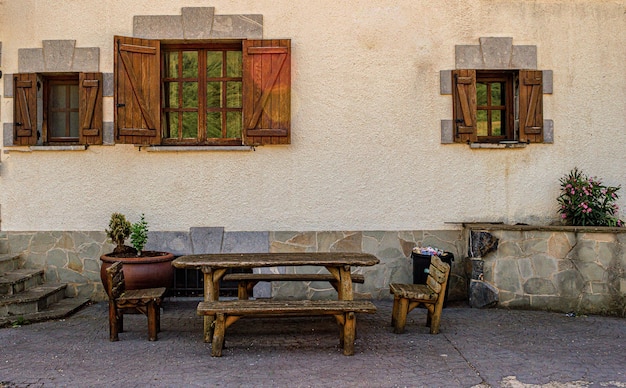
point(152, 269)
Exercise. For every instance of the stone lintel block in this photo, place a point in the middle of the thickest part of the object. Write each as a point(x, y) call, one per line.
point(30, 60)
point(107, 85)
point(238, 26)
point(447, 132)
point(445, 82)
point(58, 55)
point(158, 26)
point(86, 59)
point(496, 52)
point(245, 242)
point(7, 134)
point(197, 22)
point(8, 85)
point(206, 239)
point(468, 57)
point(524, 57)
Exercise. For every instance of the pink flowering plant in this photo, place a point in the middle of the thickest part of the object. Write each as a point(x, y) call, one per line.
point(585, 201)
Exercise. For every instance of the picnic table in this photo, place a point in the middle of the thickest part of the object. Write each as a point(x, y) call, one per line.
point(338, 264)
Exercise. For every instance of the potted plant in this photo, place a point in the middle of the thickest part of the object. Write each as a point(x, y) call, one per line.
point(142, 269)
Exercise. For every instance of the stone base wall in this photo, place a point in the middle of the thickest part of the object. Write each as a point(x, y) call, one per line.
point(565, 269)
point(73, 257)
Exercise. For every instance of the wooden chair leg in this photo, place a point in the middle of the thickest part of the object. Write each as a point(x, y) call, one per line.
point(152, 321)
point(218, 335)
point(394, 311)
point(349, 333)
point(436, 319)
point(113, 323)
point(401, 313)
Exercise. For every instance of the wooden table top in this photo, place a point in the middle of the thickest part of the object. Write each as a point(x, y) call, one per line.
point(252, 260)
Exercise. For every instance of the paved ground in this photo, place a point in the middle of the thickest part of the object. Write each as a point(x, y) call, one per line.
point(476, 348)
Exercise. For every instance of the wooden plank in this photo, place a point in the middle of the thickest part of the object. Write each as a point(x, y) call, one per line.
point(277, 307)
point(263, 277)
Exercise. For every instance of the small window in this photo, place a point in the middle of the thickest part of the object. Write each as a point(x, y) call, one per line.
point(60, 117)
point(497, 106)
point(71, 109)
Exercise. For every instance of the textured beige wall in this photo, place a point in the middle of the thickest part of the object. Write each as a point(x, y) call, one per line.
point(366, 111)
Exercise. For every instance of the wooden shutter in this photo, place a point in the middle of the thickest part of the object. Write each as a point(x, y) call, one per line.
point(90, 108)
point(464, 107)
point(25, 109)
point(531, 106)
point(137, 97)
point(266, 92)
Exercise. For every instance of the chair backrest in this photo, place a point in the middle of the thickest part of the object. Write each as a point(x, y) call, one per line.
point(115, 280)
point(437, 274)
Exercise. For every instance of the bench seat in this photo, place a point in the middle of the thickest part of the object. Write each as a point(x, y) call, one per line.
point(229, 311)
point(247, 281)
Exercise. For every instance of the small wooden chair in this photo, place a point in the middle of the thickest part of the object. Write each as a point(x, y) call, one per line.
point(147, 301)
point(406, 297)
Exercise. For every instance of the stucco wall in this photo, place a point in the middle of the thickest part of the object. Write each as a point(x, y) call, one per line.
point(366, 150)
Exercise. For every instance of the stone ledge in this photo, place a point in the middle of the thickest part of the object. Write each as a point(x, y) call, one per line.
point(545, 228)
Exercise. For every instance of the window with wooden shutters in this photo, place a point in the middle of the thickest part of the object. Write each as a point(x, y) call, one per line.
point(218, 93)
point(71, 109)
point(486, 102)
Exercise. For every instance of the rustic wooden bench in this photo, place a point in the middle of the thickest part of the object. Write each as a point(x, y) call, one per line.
point(147, 301)
point(247, 281)
point(227, 312)
point(406, 297)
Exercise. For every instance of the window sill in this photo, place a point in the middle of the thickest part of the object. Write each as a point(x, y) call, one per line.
point(497, 145)
point(193, 148)
point(45, 148)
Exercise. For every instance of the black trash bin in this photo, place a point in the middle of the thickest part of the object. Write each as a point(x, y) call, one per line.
point(421, 263)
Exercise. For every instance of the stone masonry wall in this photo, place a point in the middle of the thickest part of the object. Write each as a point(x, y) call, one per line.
point(566, 269)
point(73, 257)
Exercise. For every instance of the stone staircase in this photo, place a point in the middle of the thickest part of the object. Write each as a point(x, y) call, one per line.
point(26, 297)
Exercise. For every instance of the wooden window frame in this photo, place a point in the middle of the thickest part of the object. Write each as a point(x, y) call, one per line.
point(508, 109)
point(202, 80)
point(49, 81)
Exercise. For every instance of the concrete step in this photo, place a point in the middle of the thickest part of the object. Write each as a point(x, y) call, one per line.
point(33, 300)
point(20, 280)
point(58, 310)
point(8, 262)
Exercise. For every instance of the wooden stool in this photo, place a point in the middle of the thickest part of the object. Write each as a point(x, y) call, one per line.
point(406, 297)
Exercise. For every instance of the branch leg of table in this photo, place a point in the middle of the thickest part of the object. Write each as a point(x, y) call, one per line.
point(349, 333)
point(211, 293)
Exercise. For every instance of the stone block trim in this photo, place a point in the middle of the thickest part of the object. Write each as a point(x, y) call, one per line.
point(495, 53)
point(198, 23)
point(58, 56)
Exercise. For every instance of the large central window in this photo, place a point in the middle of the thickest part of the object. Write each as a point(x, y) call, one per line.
point(202, 94)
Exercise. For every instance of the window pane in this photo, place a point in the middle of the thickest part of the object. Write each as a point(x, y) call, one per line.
point(190, 94)
point(171, 64)
point(214, 94)
point(190, 124)
point(171, 91)
point(233, 124)
point(172, 125)
point(73, 96)
point(233, 94)
point(73, 124)
point(190, 64)
point(496, 93)
point(481, 123)
point(233, 64)
point(58, 96)
point(496, 123)
point(213, 125)
point(214, 64)
point(481, 93)
point(57, 124)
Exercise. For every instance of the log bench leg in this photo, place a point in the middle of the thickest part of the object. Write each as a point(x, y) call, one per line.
point(394, 311)
point(153, 320)
point(114, 324)
point(349, 333)
point(218, 335)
